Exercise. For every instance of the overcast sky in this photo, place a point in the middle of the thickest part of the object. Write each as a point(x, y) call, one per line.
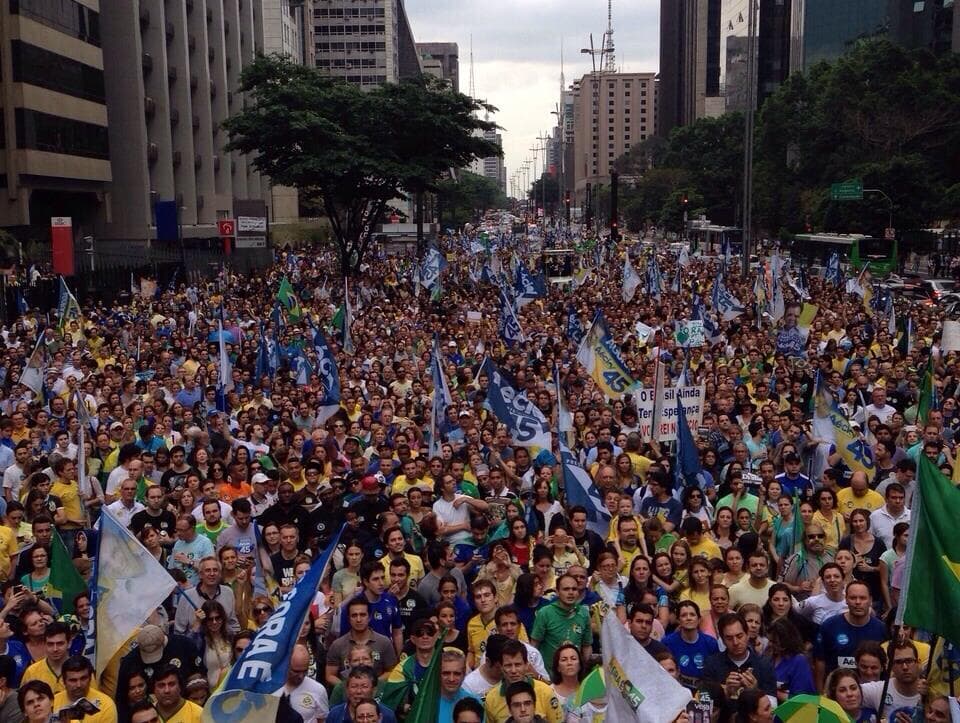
point(516, 52)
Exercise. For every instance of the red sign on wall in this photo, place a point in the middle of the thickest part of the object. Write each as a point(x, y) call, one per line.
point(61, 237)
point(227, 227)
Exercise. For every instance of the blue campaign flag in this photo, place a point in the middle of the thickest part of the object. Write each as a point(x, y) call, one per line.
point(833, 275)
point(581, 490)
point(526, 286)
point(442, 398)
point(167, 227)
point(329, 375)
point(263, 356)
point(225, 375)
point(575, 330)
point(526, 423)
point(246, 696)
point(687, 466)
point(508, 324)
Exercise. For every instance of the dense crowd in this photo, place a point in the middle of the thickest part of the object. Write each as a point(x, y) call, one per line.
point(774, 574)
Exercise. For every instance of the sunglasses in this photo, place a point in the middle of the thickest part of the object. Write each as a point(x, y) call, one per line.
point(261, 610)
point(816, 537)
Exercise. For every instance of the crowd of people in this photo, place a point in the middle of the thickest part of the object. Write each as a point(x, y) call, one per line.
point(775, 574)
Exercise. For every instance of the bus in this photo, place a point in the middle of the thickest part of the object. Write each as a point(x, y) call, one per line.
point(709, 239)
point(857, 250)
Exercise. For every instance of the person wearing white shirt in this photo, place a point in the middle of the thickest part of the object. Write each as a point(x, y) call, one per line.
point(904, 688)
point(878, 407)
point(127, 506)
point(830, 602)
point(307, 696)
point(882, 521)
point(453, 511)
point(14, 475)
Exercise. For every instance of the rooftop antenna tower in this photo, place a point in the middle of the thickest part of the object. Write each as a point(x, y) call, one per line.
point(473, 90)
point(610, 65)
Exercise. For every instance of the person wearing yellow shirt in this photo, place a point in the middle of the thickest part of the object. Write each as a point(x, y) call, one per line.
point(169, 701)
point(395, 543)
point(49, 668)
point(700, 544)
point(65, 487)
point(8, 548)
point(77, 684)
point(403, 482)
point(514, 668)
point(858, 496)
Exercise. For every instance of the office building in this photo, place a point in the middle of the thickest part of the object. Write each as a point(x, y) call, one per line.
point(56, 159)
point(285, 27)
point(367, 42)
point(772, 50)
point(442, 60)
point(166, 118)
point(491, 167)
point(612, 111)
point(823, 31)
point(689, 62)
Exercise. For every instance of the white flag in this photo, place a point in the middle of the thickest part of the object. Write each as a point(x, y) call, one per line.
point(129, 586)
point(631, 280)
point(639, 690)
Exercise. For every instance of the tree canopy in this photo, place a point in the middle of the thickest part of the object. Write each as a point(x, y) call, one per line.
point(354, 150)
point(465, 199)
point(882, 113)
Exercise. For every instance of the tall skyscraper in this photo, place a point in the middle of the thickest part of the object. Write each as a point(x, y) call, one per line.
point(822, 30)
point(689, 62)
point(491, 167)
point(367, 42)
point(56, 149)
point(612, 111)
point(166, 118)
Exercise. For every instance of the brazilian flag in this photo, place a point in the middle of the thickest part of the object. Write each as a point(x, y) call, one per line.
point(290, 301)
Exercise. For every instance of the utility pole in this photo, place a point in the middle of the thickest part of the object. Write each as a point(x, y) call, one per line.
point(748, 116)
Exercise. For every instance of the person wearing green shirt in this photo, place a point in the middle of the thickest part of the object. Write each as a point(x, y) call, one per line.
point(739, 498)
point(565, 620)
point(213, 523)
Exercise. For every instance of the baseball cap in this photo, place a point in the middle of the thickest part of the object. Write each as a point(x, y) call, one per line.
point(259, 478)
point(150, 643)
point(369, 484)
point(116, 425)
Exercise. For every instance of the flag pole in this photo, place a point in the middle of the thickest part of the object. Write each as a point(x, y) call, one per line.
point(886, 679)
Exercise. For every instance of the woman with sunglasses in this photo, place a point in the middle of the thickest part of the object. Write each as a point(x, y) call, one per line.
point(209, 634)
point(695, 505)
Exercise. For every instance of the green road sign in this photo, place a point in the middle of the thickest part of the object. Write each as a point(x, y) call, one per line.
point(851, 190)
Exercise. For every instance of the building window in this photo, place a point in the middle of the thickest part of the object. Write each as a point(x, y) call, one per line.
point(44, 69)
point(69, 17)
point(53, 134)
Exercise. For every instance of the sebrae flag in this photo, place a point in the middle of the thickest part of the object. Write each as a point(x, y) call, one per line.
point(639, 690)
point(250, 691)
point(933, 556)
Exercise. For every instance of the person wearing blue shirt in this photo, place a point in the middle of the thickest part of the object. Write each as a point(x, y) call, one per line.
point(453, 669)
point(689, 646)
point(840, 636)
point(360, 685)
point(661, 503)
point(16, 651)
point(793, 483)
point(384, 608)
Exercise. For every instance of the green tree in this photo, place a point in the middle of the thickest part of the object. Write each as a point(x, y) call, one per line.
point(546, 187)
point(648, 153)
point(710, 152)
point(465, 198)
point(353, 150)
point(883, 113)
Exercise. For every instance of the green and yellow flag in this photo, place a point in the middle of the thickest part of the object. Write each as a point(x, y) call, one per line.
point(65, 581)
point(290, 301)
point(933, 556)
point(928, 394)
